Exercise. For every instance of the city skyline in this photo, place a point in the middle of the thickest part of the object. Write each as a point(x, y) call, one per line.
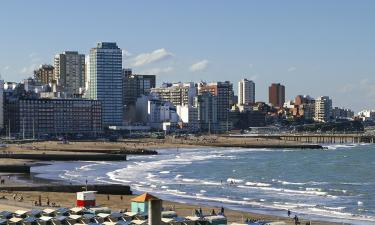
point(331, 55)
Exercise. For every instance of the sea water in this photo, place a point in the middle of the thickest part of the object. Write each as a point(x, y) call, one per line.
point(333, 184)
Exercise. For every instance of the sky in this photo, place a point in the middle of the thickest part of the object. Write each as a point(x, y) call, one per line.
point(314, 48)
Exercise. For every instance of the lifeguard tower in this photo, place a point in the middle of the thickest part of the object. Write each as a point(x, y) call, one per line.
point(86, 199)
point(140, 204)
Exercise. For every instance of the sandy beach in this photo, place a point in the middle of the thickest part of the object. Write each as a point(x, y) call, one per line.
point(116, 203)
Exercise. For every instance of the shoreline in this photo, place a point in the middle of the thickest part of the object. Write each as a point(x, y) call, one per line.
point(237, 212)
point(67, 199)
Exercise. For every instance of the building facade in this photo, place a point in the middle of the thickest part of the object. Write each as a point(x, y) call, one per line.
point(45, 74)
point(135, 85)
point(105, 81)
point(323, 109)
point(224, 96)
point(33, 118)
point(178, 94)
point(206, 104)
point(70, 72)
point(246, 92)
point(276, 95)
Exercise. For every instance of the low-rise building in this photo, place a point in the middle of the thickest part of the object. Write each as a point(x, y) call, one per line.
point(37, 117)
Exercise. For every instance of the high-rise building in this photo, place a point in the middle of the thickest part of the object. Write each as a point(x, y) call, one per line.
point(44, 74)
point(246, 92)
point(178, 93)
point(135, 85)
point(206, 104)
point(105, 81)
point(224, 96)
point(323, 109)
point(70, 72)
point(276, 95)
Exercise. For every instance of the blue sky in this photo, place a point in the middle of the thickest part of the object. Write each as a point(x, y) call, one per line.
point(313, 47)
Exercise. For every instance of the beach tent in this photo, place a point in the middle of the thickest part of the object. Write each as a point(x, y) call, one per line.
point(20, 213)
point(35, 213)
point(168, 214)
point(30, 221)
point(62, 212)
point(48, 212)
point(116, 216)
point(97, 210)
point(216, 220)
point(14, 221)
point(138, 222)
point(59, 220)
point(76, 210)
point(6, 215)
point(3, 221)
point(88, 218)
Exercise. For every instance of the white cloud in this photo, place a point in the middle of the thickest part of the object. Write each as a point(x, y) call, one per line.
point(251, 65)
point(126, 53)
point(29, 70)
point(199, 66)
point(155, 56)
point(158, 71)
point(6, 68)
point(291, 69)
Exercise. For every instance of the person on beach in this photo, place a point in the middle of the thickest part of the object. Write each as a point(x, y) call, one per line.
point(296, 220)
point(200, 212)
point(289, 213)
point(222, 211)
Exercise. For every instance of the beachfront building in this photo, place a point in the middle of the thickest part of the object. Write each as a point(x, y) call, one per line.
point(276, 95)
point(223, 91)
point(206, 104)
point(133, 87)
point(188, 116)
point(177, 93)
point(159, 112)
point(104, 81)
point(45, 74)
point(246, 92)
point(36, 117)
point(367, 115)
point(342, 113)
point(323, 109)
point(70, 72)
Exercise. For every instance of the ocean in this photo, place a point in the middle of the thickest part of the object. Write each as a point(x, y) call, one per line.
point(334, 184)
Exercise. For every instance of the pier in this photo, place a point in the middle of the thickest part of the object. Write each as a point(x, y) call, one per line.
point(316, 138)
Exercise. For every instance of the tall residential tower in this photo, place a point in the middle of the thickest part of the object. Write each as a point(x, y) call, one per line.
point(276, 94)
point(70, 71)
point(246, 92)
point(105, 81)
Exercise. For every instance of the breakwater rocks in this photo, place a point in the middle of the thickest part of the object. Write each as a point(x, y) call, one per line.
point(112, 189)
point(16, 168)
point(273, 146)
point(65, 157)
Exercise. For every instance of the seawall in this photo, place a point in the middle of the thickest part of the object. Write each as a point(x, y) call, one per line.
point(66, 157)
point(112, 189)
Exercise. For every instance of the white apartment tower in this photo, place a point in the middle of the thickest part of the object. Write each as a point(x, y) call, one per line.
point(323, 109)
point(246, 92)
point(70, 71)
